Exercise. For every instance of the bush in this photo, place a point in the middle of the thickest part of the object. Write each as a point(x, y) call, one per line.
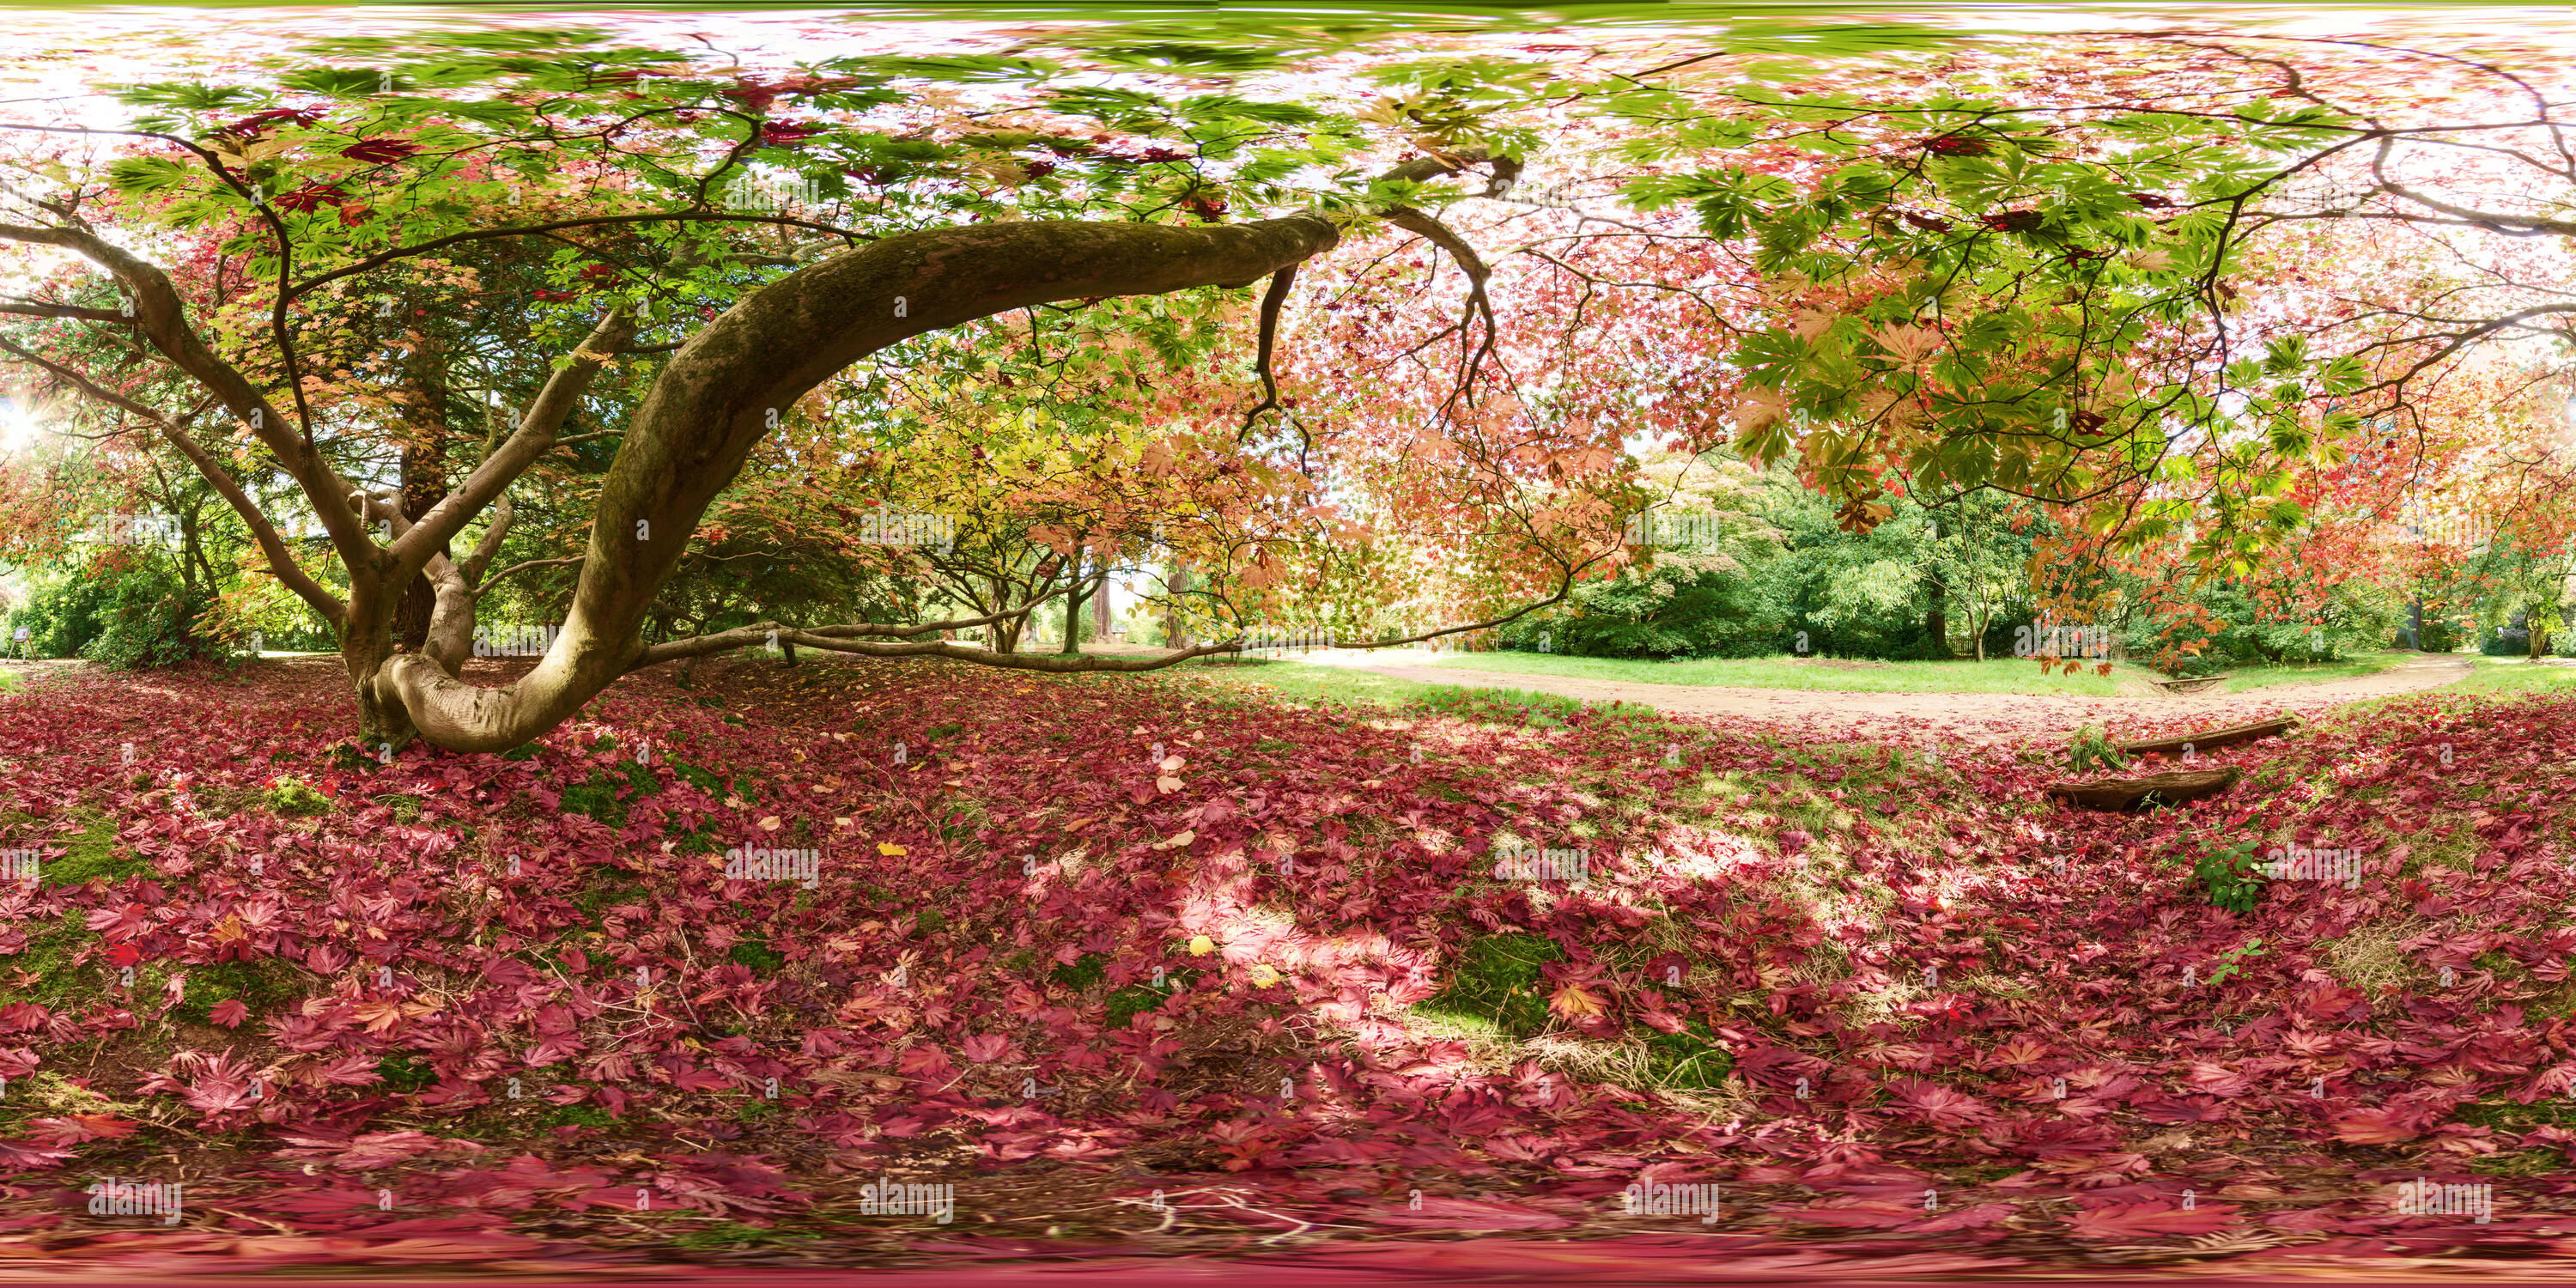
point(2231, 877)
point(2507, 641)
point(1661, 612)
point(126, 618)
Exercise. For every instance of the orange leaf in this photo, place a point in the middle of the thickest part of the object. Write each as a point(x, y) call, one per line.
point(1575, 1002)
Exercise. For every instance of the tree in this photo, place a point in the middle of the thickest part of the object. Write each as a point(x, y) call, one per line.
point(343, 174)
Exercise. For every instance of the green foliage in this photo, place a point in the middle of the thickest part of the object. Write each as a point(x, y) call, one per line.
point(1082, 972)
point(2231, 878)
point(607, 794)
point(94, 855)
point(734, 1234)
point(754, 951)
point(296, 798)
point(1496, 978)
point(2090, 747)
point(580, 1116)
point(2232, 962)
point(406, 1073)
point(131, 618)
point(1690, 1059)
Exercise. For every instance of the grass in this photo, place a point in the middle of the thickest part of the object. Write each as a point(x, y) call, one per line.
point(2244, 678)
point(1995, 675)
point(1319, 685)
point(1300, 681)
point(2498, 678)
point(9, 682)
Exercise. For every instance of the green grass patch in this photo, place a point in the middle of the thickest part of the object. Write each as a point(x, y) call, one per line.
point(2491, 677)
point(2260, 677)
point(1082, 972)
point(406, 1073)
point(268, 986)
point(94, 855)
point(734, 1234)
point(600, 797)
point(48, 956)
point(1690, 1059)
point(754, 952)
point(1995, 675)
point(1496, 980)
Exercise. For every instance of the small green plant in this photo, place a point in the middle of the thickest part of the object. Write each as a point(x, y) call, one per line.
point(406, 1073)
point(296, 798)
point(2091, 747)
point(756, 953)
point(2232, 877)
point(2232, 962)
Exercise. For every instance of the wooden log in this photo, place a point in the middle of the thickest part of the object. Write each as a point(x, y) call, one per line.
point(2226, 737)
point(2193, 685)
point(2128, 793)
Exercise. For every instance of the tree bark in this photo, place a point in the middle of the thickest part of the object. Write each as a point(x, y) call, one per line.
point(1073, 602)
point(424, 481)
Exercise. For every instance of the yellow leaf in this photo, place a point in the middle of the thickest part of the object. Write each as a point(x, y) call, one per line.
point(1201, 945)
point(1172, 764)
point(769, 824)
point(1575, 1002)
point(1167, 784)
point(1263, 976)
point(891, 850)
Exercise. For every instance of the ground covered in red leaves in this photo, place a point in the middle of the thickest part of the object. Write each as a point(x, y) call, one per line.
point(1120, 966)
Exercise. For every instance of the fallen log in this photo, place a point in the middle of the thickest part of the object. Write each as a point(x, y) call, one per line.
point(2193, 685)
point(2229, 736)
point(2128, 793)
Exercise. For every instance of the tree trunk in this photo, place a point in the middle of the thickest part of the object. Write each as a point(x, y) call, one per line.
point(1176, 631)
point(1073, 599)
point(1100, 620)
point(424, 482)
point(1936, 619)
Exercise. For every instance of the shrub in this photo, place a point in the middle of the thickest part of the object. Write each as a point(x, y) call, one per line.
point(2089, 747)
point(296, 798)
point(2231, 877)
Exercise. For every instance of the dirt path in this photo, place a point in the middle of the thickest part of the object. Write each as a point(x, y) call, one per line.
point(1933, 717)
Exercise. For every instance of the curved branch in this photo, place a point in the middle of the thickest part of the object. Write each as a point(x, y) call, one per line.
point(723, 391)
point(281, 563)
